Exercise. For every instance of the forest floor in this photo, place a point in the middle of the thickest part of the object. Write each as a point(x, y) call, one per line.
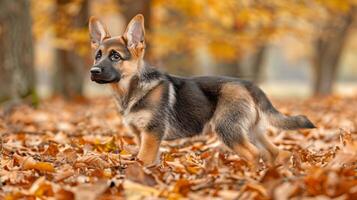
point(80, 150)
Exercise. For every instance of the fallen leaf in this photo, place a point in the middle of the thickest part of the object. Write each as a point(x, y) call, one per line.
point(137, 173)
point(90, 191)
point(92, 161)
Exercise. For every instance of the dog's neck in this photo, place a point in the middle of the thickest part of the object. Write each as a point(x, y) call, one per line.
point(132, 89)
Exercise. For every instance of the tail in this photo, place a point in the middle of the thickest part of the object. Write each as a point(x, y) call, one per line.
point(282, 121)
point(274, 117)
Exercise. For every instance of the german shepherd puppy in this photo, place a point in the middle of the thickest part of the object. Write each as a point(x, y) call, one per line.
point(157, 106)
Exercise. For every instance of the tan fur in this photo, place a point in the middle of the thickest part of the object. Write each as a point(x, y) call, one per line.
point(128, 68)
point(115, 43)
point(248, 151)
point(231, 91)
point(269, 146)
point(137, 51)
point(117, 89)
point(139, 119)
point(149, 148)
point(155, 94)
point(269, 150)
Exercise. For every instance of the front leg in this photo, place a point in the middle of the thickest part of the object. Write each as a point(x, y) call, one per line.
point(149, 148)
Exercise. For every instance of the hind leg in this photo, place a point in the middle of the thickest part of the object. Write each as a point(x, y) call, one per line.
point(269, 146)
point(233, 134)
point(249, 151)
point(257, 135)
point(234, 116)
point(274, 154)
point(239, 143)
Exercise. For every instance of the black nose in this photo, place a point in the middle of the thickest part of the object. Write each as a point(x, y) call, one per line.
point(95, 70)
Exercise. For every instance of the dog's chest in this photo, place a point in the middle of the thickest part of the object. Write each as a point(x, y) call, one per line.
point(139, 119)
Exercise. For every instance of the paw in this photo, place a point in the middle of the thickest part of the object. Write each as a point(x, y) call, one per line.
point(148, 161)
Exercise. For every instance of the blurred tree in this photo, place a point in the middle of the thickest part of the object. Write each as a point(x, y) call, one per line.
point(17, 77)
point(257, 61)
point(69, 65)
point(131, 8)
point(329, 47)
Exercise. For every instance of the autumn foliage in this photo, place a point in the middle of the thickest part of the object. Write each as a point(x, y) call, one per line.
point(80, 150)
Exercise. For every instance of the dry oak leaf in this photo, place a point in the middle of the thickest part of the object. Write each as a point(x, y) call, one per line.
point(182, 187)
point(52, 150)
point(256, 189)
point(30, 163)
point(68, 155)
point(136, 191)
point(65, 172)
point(41, 188)
point(90, 191)
point(92, 160)
point(15, 177)
point(63, 194)
point(176, 167)
point(137, 173)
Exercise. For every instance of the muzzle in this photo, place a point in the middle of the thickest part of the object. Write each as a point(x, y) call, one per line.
point(104, 74)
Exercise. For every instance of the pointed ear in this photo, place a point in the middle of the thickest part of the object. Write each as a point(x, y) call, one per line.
point(98, 31)
point(135, 32)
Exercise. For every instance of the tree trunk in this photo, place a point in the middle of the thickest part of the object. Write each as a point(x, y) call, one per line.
point(131, 8)
point(257, 64)
point(328, 50)
point(229, 68)
point(17, 77)
point(69, 66)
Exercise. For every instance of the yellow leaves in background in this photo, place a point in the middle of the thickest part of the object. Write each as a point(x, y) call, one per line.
point(223, 50)
point(76, 39)
point(104, 7)
point(338, 5)
point(254, 17)
point(222, 11)
point(58, 22)
point(41, 19)
point(165, 42)
point(226, 28)
point(215, 24)
point(218, 25)
point(73, 8)
point(190, 8)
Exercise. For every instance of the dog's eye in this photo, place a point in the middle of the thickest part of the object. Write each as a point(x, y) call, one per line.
point(98, 55)
point(114, 56)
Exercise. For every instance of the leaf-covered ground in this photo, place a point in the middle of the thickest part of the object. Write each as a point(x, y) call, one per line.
point(80, 150)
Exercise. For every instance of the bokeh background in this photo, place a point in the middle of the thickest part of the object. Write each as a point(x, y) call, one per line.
point(295, 48)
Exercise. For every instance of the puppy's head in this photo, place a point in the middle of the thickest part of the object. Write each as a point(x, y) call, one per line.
point(117, 57)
